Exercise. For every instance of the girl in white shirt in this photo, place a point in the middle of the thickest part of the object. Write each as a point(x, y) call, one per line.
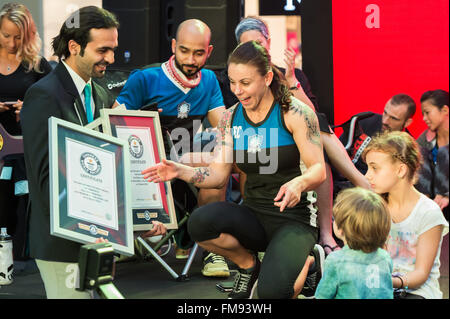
point(418, 224)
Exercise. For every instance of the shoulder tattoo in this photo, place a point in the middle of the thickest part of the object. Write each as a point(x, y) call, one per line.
point(310, 118)
point(223, 127)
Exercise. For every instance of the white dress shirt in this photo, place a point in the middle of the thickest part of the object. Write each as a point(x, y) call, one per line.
point(80, 84)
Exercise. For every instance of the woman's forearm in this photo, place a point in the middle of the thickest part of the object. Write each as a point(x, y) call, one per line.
point(312, 177)
point(202, 177)
point(411, 280)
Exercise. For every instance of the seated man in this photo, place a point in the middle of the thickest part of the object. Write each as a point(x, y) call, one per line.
point(397, 116)
point(186, 95)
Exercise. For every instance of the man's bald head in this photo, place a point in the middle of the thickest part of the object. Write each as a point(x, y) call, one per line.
point(193, 27)
point(191, 46)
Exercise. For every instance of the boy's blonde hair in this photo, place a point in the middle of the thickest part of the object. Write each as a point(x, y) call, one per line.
point(400, 146)
point(363, 218)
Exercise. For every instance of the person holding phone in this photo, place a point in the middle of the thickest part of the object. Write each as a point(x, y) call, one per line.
point(20, 62)
point(20, 67)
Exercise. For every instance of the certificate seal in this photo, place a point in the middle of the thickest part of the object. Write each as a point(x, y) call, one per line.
point(90, 163)
point(136, 147)
point(93, 230)
point(147, 215)
point(1, 142)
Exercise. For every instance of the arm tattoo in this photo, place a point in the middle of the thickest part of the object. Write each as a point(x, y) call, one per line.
point(199, 175)
point(223, 126)
point(311, 122)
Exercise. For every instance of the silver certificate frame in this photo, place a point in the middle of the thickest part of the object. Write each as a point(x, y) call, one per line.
point(141, 130)
point(89, 186)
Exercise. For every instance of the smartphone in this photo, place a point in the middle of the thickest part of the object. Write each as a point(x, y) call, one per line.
point(225, 286)
point(9, 103)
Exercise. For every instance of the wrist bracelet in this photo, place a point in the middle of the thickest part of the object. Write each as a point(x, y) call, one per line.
point(401, 279)
point(406, 281)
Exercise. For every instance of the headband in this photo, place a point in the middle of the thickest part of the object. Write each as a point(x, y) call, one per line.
point(249, 24)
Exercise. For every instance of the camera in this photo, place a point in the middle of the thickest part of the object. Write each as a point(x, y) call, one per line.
point(96, 266)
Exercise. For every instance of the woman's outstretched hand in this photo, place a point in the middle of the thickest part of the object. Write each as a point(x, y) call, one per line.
point(161, 172)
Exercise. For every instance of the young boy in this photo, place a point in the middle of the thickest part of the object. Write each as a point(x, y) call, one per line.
point(362, 269)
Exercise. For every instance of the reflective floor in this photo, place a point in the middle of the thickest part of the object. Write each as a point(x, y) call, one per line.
point(149, 280)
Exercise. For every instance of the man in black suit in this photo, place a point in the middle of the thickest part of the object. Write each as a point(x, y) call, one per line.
point(85, 47)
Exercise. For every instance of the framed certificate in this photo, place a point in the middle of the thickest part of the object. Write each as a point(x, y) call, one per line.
point(141, 131)
point(95, 125)
point(89, 186)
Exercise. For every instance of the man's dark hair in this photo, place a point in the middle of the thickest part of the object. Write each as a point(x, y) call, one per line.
point(77, 27)
point(405, 99)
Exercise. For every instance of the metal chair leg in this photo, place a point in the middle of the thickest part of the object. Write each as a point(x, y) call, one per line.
point(157, 257)
point(187, 266)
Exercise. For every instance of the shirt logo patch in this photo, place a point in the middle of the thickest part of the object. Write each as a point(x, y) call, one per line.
point(183, 110)
point(255, 143)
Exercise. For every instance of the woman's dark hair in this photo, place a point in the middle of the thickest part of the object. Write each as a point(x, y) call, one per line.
point(253, 53)
point(438, 98)
point(77, 27)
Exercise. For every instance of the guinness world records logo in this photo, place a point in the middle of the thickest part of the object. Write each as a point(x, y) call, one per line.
point(90, 163)
point(135, 146)
point(93, 230)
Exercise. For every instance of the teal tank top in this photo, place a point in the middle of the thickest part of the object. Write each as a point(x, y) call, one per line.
point(267, 153)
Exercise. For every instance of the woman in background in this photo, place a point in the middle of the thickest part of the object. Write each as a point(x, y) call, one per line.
point(20, 67)
point(433, 142)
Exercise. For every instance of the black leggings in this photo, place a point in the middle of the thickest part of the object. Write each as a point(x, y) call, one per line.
point(287, 243)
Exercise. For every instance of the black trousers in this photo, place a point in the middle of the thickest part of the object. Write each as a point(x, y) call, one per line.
point(287, 243)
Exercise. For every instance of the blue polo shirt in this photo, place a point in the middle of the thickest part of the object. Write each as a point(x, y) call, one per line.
point(180, 107)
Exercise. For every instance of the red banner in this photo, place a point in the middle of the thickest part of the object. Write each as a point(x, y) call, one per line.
point(385, 47)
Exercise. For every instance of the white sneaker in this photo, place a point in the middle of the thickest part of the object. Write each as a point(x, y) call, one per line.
point(215, 266)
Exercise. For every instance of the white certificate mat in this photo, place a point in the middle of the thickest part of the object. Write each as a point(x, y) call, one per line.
point(143, 194)
point(91, 184)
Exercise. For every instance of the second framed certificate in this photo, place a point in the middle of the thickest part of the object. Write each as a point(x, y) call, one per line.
point(141, 131)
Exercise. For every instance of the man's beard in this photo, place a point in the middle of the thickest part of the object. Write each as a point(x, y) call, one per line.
point(99, 74)
point(385, 128)
point(188, 74)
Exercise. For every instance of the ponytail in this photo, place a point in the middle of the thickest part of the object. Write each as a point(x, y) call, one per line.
point(280, 89)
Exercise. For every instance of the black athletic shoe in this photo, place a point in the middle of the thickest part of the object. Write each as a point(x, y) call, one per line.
point(245, 282)
point(315, 274)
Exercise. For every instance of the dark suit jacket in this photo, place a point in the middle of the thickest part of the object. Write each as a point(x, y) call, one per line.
point(54, 95)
